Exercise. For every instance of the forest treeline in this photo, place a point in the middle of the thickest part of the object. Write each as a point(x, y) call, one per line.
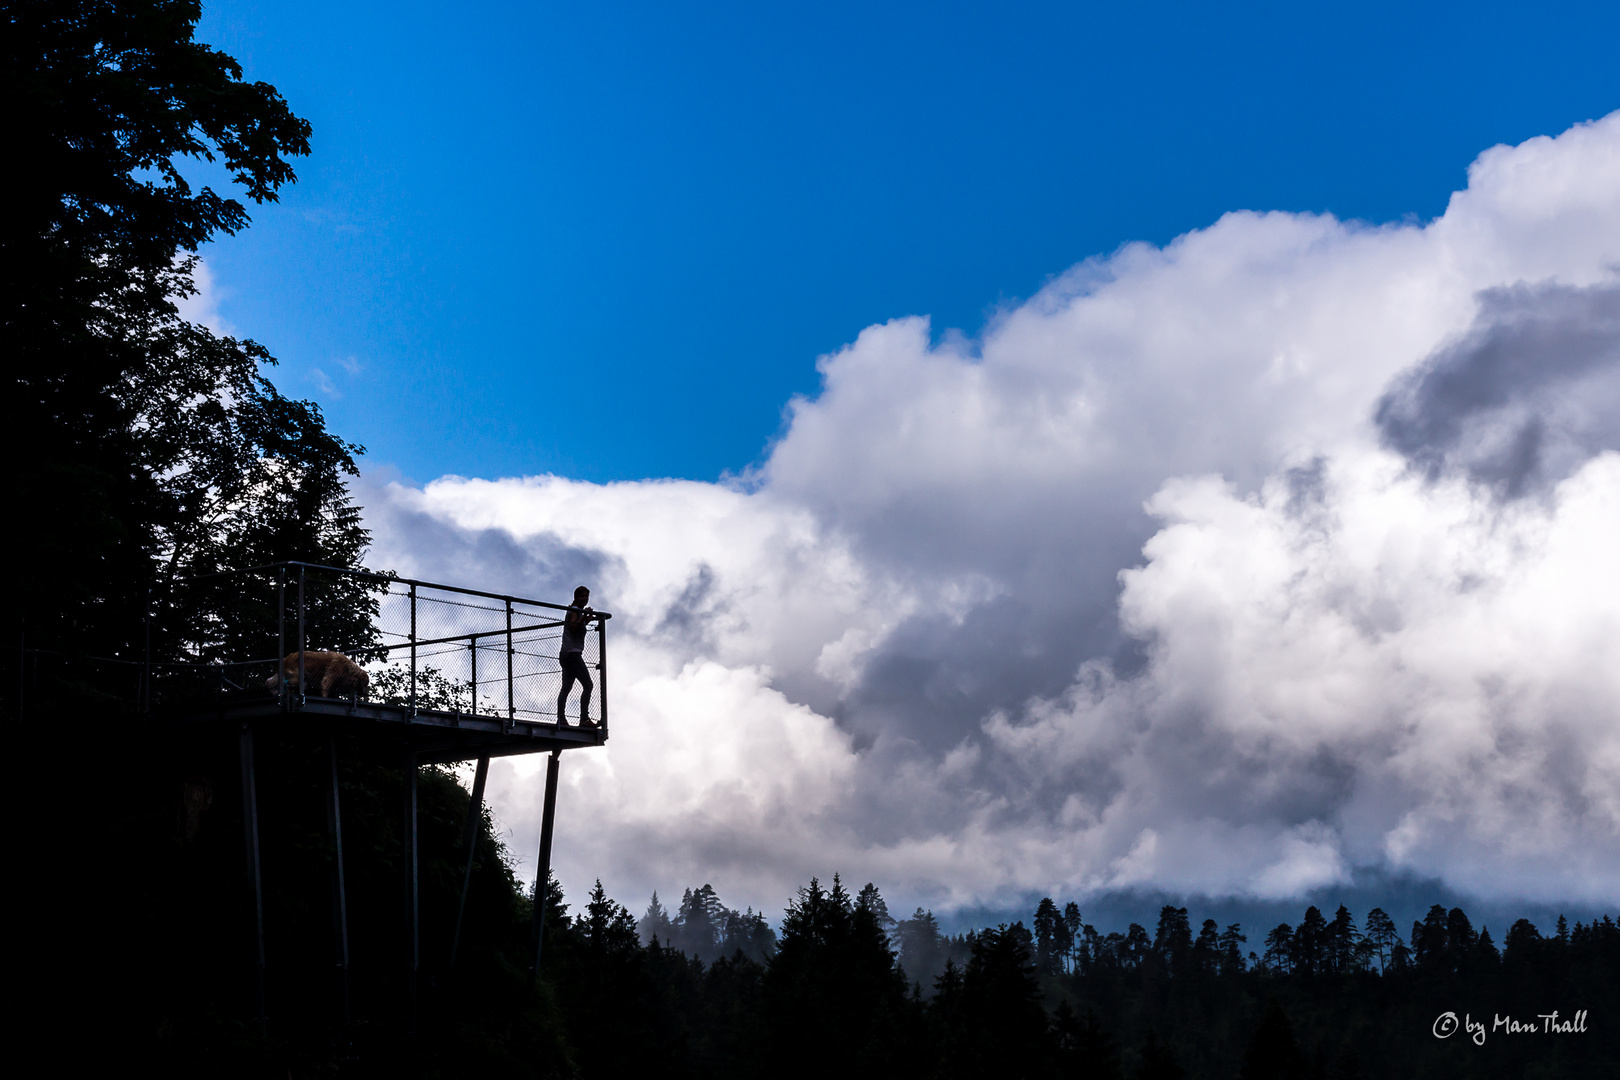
point(850, 990)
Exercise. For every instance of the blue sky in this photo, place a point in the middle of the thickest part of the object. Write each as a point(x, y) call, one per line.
point(609, 241)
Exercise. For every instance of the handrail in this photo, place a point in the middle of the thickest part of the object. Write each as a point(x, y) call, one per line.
point(465, 637)
point(392, 578)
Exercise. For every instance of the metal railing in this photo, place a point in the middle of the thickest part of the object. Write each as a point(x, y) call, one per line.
point(427, 647)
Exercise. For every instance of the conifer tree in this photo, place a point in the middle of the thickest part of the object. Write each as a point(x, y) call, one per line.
point(655, 924)
point(872, 900)
point(832, 1000)
point(1135, 947)
point(1232, 941)
point(1005, 1026)
point(1382, 936)
point(1207, 948)
point(1343, 942)
point(1172, 941)
point(1310, 942)
point(1046, 922)
point(1073, 925)
point(921, 948)
point(1279, 954)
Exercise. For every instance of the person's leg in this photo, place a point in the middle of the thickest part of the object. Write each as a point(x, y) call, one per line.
point(567, 685)
point(585, 688)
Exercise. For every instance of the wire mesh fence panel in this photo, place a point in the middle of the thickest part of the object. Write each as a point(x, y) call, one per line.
point(215, 639)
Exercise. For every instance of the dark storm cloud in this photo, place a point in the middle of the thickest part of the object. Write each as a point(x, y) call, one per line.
point(1527, 395)
point(539, 567)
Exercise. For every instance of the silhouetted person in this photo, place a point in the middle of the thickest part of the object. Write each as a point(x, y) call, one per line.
point(572, 659)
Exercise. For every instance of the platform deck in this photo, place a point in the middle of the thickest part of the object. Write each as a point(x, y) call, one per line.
point(437, 737)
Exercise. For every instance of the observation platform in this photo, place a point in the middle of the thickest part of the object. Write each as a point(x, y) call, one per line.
point(456, 673)
point(450, 674)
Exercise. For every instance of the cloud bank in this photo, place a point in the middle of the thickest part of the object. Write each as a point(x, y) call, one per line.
point(1234, 567)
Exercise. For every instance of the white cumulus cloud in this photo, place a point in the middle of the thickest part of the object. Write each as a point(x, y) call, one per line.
point(1234, 567)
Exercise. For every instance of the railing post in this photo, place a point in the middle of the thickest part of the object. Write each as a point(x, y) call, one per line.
point(511, 711)
point(303, 691)
point(601, 674)
point(413, 650)
point(281, 636)
point(472, 641)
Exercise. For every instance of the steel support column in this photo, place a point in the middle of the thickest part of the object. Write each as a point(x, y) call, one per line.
point(340, 899)
point(543, 874)
point(413, 956)
point(469, 840)
point(250, 844)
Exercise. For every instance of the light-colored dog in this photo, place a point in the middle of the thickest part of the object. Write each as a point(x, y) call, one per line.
point(328, 674)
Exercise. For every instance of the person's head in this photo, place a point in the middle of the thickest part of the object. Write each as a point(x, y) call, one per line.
point(581, 595)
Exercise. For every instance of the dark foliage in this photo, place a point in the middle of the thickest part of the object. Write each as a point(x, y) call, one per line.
point(154, 448)
point(833, 999)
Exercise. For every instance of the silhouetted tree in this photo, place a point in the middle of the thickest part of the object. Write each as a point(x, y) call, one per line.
point(1207, 948)
point(1048, 955)
point(1381, 937)
point(1232, 940)
point(656, 923)
point(1521, 944)
point(1342, 944)
point(1172, 941)
point(1134, 948)
point(1429, 950)
point(1279, 954)
point(1004, 1026)
point(921, 947)
point(1067, 933)
point(748, 933)
point(161, 448)
point(1310, 942)
point(832, 1000)
point(698, 923)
